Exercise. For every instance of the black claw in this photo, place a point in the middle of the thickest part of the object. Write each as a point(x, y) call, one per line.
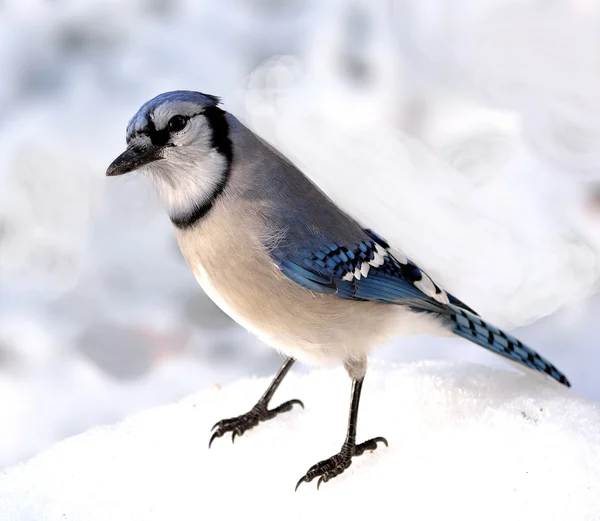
point(369, 445)
point(334, 466)
point(240, 424)
point(300, 481)
point(212, 438)
point(285, 407)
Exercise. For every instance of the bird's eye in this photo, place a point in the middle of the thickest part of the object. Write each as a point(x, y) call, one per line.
point(177, 123)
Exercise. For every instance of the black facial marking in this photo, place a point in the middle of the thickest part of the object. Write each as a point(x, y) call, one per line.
point(159, 138)
point(220, 132)
point(221, 143)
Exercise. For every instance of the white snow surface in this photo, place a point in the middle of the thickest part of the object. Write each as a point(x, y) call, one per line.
point(465, 442)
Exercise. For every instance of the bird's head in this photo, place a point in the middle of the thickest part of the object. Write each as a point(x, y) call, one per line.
point(181, 141)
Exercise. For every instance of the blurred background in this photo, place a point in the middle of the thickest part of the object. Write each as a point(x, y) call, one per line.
point(465, 132)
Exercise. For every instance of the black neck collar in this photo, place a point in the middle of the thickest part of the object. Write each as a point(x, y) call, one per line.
point(221, 142)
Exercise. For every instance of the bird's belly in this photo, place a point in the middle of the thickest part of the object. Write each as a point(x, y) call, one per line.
point(279, 321)
point(314, 328)
point(228, 306)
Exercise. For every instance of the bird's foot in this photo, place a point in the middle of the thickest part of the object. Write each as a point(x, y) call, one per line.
point(240, 424)
point(334, 466)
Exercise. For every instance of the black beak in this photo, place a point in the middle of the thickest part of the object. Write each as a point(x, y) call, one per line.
point(134, 157)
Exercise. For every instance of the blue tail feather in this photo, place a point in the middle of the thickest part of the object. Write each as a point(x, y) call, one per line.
point(471, 327)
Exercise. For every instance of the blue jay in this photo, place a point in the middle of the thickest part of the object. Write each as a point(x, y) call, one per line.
point(278, 256)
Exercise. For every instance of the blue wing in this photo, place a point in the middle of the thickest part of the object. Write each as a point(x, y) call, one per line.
point(365, 270)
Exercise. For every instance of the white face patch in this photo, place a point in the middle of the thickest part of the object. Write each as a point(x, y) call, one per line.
point(165, 111)
point(191, 169)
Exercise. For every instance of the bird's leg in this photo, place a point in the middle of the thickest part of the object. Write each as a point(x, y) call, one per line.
point(240, 424)
point(335, 465)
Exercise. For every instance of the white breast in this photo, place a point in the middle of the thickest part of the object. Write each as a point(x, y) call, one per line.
point(208, 287)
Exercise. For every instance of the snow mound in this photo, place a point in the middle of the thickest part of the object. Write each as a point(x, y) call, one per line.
point(465, 442)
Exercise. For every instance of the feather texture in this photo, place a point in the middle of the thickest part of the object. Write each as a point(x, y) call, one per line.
point(365, 270)
point(476, 330)
point(368, 271)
